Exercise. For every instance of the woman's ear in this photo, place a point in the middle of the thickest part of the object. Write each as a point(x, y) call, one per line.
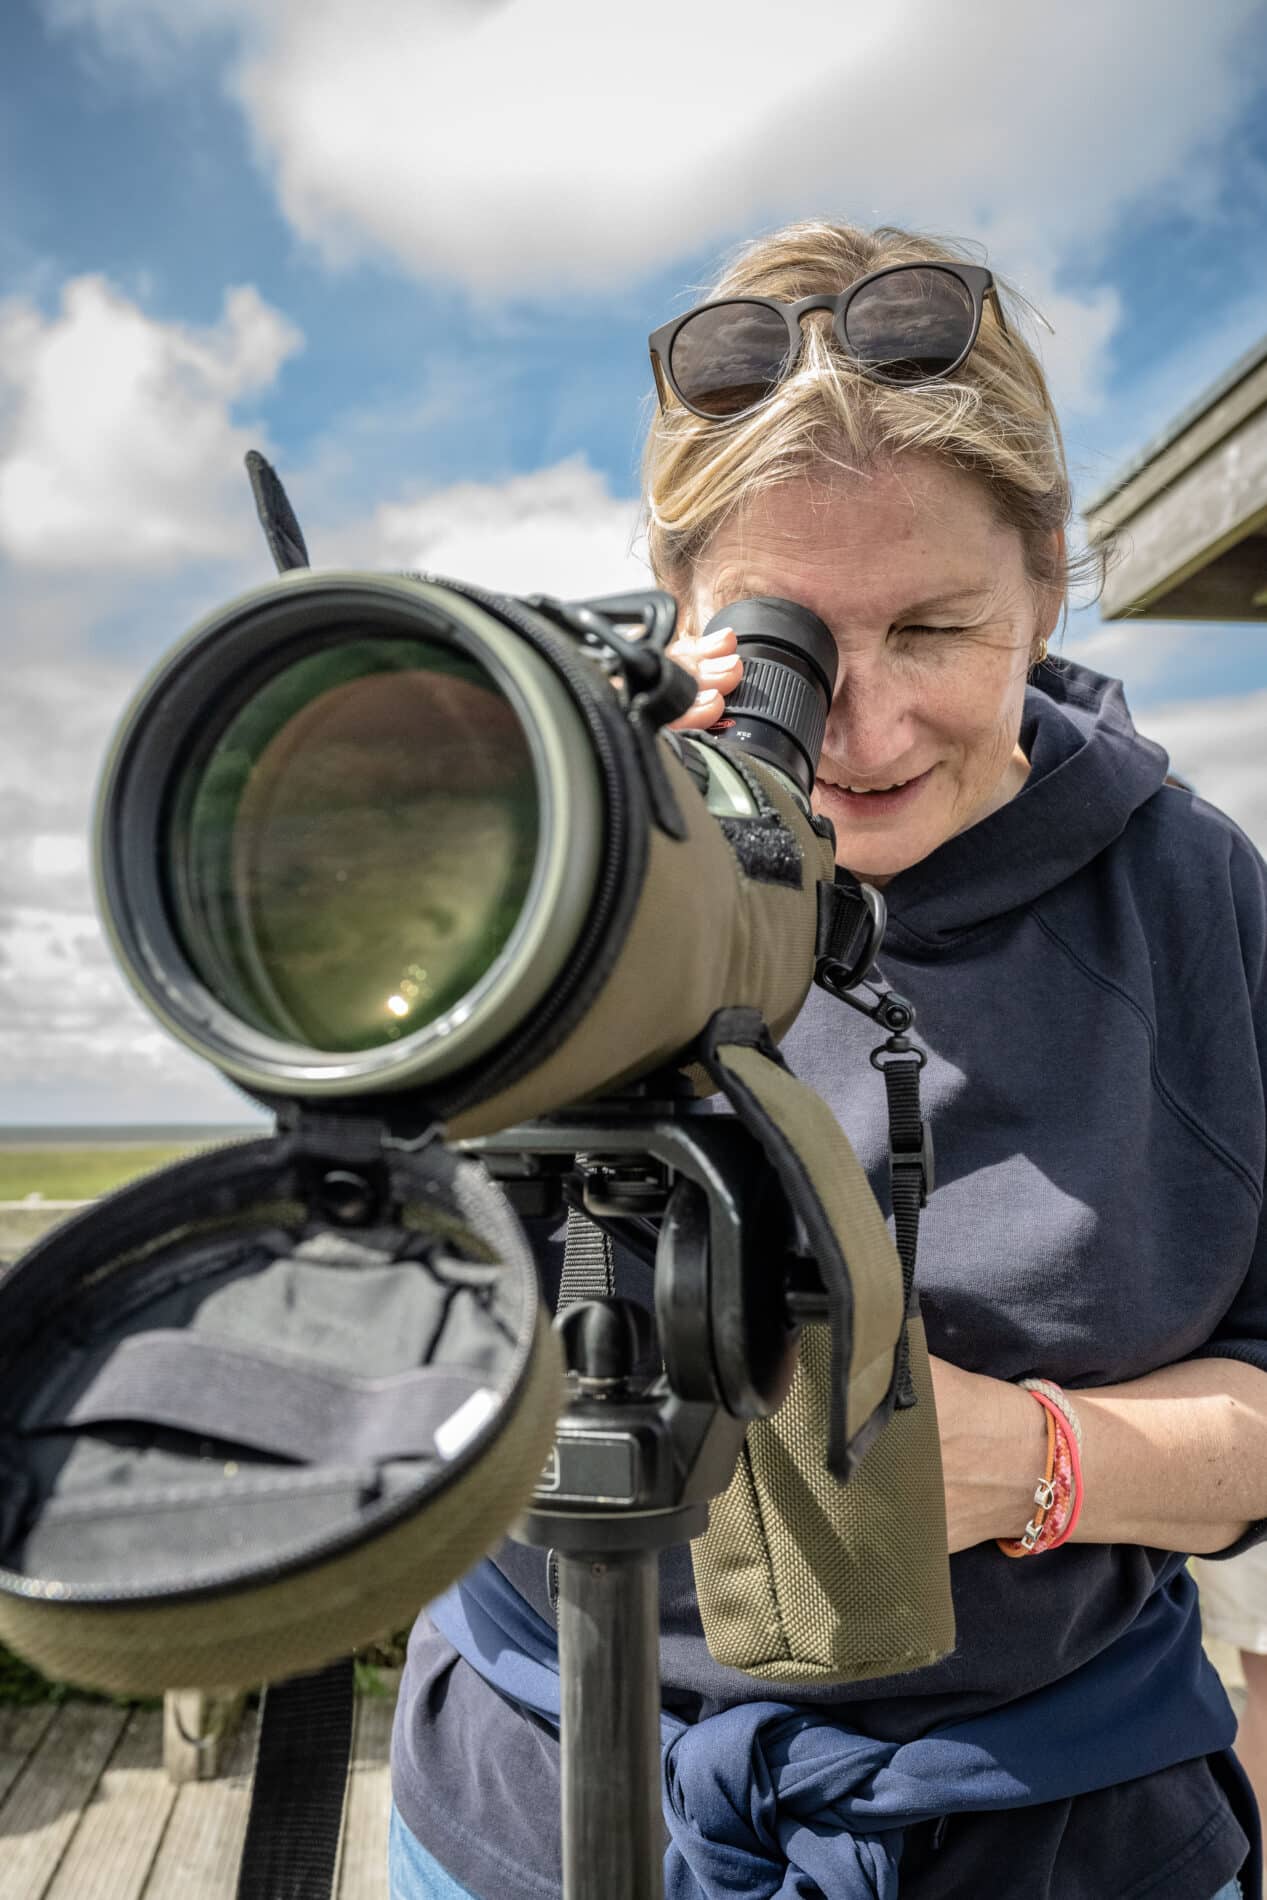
point(1051, 592)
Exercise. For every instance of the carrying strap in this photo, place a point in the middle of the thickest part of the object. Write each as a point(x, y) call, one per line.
point(588, 1273)
point(247, 1395)
point(824, 1183)
point(911, 1170)
point(911, 1182)
point(301, 1770)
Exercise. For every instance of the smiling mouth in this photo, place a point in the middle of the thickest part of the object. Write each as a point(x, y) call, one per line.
point(867, 791)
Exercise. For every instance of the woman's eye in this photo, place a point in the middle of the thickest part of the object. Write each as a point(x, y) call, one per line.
point(922, 629)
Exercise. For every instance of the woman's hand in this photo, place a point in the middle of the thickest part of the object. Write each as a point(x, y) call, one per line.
point(716, 665)
point(993, 1453)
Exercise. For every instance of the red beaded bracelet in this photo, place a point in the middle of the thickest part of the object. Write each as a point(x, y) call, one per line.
point(1059, 1519)
point(1044, 1498)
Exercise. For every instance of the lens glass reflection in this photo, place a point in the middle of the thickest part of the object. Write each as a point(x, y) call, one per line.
point(351, 856)
point(911, 325)
point(729, 357)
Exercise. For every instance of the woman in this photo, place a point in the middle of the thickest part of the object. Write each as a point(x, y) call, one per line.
point(1086, 947)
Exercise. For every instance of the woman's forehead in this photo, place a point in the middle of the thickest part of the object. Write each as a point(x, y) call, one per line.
point(906, 539)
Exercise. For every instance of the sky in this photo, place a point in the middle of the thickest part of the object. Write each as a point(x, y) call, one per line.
point(412, 249)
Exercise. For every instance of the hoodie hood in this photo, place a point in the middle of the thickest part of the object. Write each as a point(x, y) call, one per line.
point(1089, 771)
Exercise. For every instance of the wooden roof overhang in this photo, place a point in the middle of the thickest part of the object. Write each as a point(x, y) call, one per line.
point(1189, 514)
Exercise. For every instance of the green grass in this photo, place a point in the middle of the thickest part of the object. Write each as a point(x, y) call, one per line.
point(22, 1685)
point(80, 1172)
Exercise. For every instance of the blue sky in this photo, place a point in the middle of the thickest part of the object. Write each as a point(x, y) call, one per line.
point(413, 249)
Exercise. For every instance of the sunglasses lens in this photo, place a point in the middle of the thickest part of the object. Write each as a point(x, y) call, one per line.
point(729, 358)
point(911, 326)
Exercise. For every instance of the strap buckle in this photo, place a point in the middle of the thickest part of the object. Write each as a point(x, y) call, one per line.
point(921, 1158)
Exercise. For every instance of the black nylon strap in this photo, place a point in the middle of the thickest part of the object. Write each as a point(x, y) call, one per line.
point(301, 1770)
point(849, 930)
point(588, 1273)
point(910, 1137)
point(909, 1162)
point(246, 1395)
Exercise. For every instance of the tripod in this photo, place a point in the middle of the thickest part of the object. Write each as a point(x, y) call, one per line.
point(637, 1458)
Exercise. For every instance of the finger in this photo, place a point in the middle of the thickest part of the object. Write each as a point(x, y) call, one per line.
point(691, 653)
point(705, 712)
point(720, 675)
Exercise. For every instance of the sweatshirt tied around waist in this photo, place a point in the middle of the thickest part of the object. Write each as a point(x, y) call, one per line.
point(778, 1802)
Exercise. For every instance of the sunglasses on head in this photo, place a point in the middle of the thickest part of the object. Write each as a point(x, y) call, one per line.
point(909, 323)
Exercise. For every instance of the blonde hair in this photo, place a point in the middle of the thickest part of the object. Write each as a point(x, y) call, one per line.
point(994, 419)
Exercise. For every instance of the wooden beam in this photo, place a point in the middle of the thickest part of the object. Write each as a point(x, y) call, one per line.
point(1231, 587)
point(1213, 505)
point(198, 1728)
point(1204, 433)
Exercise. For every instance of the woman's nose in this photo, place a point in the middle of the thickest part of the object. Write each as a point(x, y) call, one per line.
point(868, 724)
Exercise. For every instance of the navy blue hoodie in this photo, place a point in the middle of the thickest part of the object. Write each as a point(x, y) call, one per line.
point(1089, 968)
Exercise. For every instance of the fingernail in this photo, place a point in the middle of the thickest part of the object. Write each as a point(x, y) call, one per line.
point(713, 642)
point(715, 669)
point(702, 699)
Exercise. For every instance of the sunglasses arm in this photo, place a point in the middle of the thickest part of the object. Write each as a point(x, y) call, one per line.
point(996, 304)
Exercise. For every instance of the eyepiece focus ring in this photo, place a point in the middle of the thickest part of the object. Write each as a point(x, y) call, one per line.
point(772, 692)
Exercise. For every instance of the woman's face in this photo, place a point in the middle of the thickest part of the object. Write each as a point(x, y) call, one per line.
point(936, 624)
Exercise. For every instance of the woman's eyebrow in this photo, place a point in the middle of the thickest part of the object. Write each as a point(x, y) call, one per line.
point(940, 603)
point(738, 584)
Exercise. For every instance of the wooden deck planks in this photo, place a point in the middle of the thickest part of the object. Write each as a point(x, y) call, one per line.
point(113, 1848)
point(88, 1813)
point(21, 1731)
point(42, 1809)
point(363, 1846)
point(199, 1853)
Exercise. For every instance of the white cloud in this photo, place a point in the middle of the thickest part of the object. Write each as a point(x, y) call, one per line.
point(558, 530)
point(547, 145)
point(118, 447)
point(122, 500)
point(74, 1042)
point(1218, 745)
point(1137, 652)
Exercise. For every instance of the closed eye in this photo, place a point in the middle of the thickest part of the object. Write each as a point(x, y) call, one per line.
point(917, 628)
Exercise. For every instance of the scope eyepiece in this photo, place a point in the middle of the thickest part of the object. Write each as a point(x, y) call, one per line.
point(778, 712)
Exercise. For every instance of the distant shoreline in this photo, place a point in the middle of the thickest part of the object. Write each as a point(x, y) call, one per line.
point(122, 1134)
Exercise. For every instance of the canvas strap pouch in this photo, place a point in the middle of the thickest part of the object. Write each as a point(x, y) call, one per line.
point(825, 1560)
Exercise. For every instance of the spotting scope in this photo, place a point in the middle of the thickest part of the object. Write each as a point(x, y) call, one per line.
point(366, 834)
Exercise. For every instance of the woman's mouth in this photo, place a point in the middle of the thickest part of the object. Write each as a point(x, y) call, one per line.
point(853, 802)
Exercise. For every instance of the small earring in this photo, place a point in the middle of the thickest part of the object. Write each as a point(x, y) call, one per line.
point(1041, 655)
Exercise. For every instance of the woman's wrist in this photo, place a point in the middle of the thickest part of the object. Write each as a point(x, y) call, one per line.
point(1058, 1496)
point(994, 1448)
point(1025, 1424)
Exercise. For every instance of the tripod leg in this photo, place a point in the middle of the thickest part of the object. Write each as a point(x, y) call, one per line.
point(609, 1663)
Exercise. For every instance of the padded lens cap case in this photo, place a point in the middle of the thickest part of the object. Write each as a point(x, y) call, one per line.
point(258, 1408)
